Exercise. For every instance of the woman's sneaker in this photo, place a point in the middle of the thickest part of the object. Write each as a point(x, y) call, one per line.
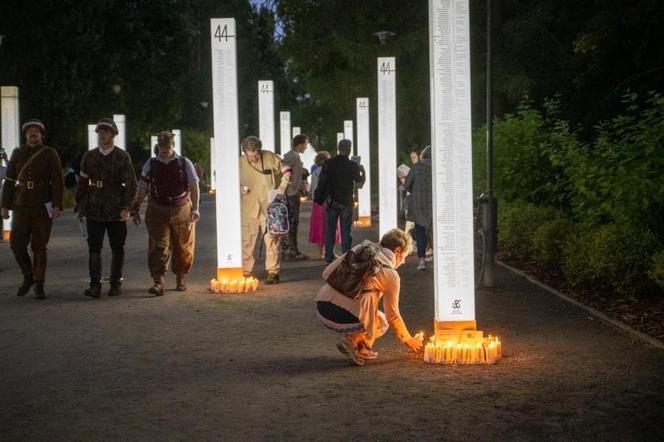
point(346, 347)
point(422, 265)
point(366, 352)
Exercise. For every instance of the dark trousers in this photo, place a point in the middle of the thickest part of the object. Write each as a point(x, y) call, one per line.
point(289, 243)
point(30, 226)
point(421, 239)
point(117, 233)
point(345, 216)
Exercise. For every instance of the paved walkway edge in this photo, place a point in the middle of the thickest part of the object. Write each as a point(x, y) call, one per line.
point(622, 326)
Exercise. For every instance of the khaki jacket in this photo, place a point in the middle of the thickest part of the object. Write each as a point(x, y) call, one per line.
point(260, 178)
point(41, 181)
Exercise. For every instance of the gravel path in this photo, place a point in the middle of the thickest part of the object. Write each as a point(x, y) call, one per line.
point(197, 365)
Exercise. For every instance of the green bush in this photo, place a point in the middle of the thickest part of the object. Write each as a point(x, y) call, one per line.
point(611, 257)
point(656, 272)
point(548, 240)
point(517, 223)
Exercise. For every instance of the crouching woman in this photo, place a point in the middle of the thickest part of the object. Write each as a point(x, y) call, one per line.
point(359, 319)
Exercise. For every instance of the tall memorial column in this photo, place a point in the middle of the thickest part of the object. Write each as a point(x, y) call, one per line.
point(11, 135)
point(364, 152)
point(456, 339)
point(387, 145)
point(296, 131)
point(340, 136)
point(266, 115)
point(177, 141)
point(284, 132)
point(153, 143)
point(348, 134)
point(121, 139)
point(227, 148)
point(92, 136)
point(451, 142)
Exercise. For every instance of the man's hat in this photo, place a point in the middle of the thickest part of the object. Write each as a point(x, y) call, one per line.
point(33, 122)
point(107, 123)
point(165, 138)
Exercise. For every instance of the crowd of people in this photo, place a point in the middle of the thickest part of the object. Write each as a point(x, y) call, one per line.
point(108, 194)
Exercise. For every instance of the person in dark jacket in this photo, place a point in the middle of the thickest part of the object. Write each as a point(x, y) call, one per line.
point(336, 186)
point(105, 192)
point(32, 189)
point(420, 210)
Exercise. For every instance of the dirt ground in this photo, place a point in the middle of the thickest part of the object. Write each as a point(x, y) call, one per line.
point(203, 366)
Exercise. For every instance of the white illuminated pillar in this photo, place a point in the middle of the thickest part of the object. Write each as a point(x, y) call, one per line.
point(340, 136)
point(348, 134)
point(364, 152)
point(92, 136)
point(121, 137)
point(153, 143)
point(387, 145)
point(284, 132)
point(296, 131)
point(177, 141)
point(226, 146)
point(213, 165)
point(449, 36)
point(266, 114)
point(11, 136)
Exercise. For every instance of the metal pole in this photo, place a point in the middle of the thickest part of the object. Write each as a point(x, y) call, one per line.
point(490, 211)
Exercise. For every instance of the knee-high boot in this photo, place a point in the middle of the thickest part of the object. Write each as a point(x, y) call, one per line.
point(117, 264)
point(39, 273)
point(94, 266)
point(25, 264)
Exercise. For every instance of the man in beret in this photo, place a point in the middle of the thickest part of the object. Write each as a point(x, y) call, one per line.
point(172, 183)
point(32, 189)
point(104, 195)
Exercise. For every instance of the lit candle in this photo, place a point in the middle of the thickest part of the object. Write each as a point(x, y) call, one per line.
point(223, 285)
point(241, 285)
point(491, 353)
point(255, 283)
point(213, 286)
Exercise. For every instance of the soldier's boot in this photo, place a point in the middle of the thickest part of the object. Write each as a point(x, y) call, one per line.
point(24, 263)
point(94, 266)
point(158, 287)
point(39, 273)
point(117, 264)
point(181, 285)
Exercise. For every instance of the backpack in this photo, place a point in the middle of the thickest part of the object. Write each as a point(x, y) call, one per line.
point(349, 276)
point(278, 216)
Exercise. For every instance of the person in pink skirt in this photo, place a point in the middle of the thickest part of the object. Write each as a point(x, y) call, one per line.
point(317, 221)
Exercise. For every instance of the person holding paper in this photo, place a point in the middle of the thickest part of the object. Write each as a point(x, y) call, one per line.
point(105, 192)
point(172, 183)
point(32, 189)
point(261, 174)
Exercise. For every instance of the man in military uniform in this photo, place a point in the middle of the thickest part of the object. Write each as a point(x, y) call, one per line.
point(260, 173)
point(33, 190)
point(104, 195)
point(172, 183)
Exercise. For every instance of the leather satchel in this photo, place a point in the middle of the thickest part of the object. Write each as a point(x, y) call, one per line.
point(349, 276)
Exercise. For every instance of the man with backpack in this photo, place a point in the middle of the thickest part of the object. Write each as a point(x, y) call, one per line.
point(262, 175)
point(172, 213)
point(32, 189)
point(105, 192)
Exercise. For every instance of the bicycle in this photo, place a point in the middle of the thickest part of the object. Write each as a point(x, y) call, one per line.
point(479, 238)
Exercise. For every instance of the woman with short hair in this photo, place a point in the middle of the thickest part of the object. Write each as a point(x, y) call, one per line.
point(359, 319)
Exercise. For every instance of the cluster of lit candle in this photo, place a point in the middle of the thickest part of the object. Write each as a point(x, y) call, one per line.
point(465, 351)
point(363, 222)
point(242, 285)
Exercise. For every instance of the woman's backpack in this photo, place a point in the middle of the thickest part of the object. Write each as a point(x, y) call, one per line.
point(278, 216)
point(349, 276)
